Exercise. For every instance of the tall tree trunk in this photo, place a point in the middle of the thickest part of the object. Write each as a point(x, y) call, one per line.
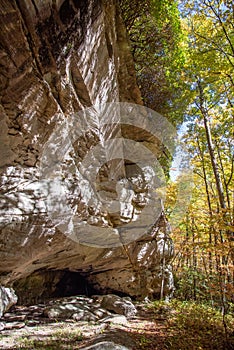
point(214, 163)
point(208, 201)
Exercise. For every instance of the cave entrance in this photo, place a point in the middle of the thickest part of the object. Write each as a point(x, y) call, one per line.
point(43, 285)
point(73, 283)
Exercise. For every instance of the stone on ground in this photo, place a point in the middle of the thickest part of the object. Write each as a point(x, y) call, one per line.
point(119, 305)
point(106, 345)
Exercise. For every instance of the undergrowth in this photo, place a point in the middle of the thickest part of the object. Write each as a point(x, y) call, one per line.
point(195, 326)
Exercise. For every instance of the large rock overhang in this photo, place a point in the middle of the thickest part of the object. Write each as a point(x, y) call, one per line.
point(59, 58)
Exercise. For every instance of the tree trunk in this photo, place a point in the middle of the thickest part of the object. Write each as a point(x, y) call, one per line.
point(214, 163)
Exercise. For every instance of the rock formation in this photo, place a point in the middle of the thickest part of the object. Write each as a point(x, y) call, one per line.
point(59, 57)
point(7, 299)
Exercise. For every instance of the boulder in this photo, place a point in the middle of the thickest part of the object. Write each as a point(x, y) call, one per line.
point(115, 319)
point(77, 308)
point(119, 305)
point(105, 345)
point(62, 311)
point(7, 299)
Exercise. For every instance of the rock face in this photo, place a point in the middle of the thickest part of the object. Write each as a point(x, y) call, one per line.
point(58, 58)
point(7, 299)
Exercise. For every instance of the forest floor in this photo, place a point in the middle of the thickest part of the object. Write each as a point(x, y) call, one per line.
point(157, 326)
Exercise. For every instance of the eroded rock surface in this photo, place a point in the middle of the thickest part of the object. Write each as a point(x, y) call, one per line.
point(7, 299)
point(58, 58)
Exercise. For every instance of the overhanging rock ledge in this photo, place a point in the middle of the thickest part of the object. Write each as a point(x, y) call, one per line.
point(57, 58)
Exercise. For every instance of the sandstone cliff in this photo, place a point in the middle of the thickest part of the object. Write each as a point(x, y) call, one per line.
point(59, 57)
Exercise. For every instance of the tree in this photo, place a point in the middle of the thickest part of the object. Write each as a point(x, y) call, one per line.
point(156, 40)
point(204, 238)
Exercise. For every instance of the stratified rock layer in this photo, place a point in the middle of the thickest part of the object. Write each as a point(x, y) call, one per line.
point(57, 58)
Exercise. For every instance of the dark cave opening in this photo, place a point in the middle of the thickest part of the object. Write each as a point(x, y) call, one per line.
point(43, 285)
point(73, 283)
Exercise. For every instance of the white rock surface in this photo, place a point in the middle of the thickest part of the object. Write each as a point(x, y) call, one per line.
point(58, 58)
point(119, 305)
point(7, 299)
point(106, 345)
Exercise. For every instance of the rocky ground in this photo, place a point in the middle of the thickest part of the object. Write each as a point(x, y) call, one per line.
point(80, 322)
point(114, 323)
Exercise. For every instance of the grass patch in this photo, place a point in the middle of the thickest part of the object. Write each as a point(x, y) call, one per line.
point(62, 339)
